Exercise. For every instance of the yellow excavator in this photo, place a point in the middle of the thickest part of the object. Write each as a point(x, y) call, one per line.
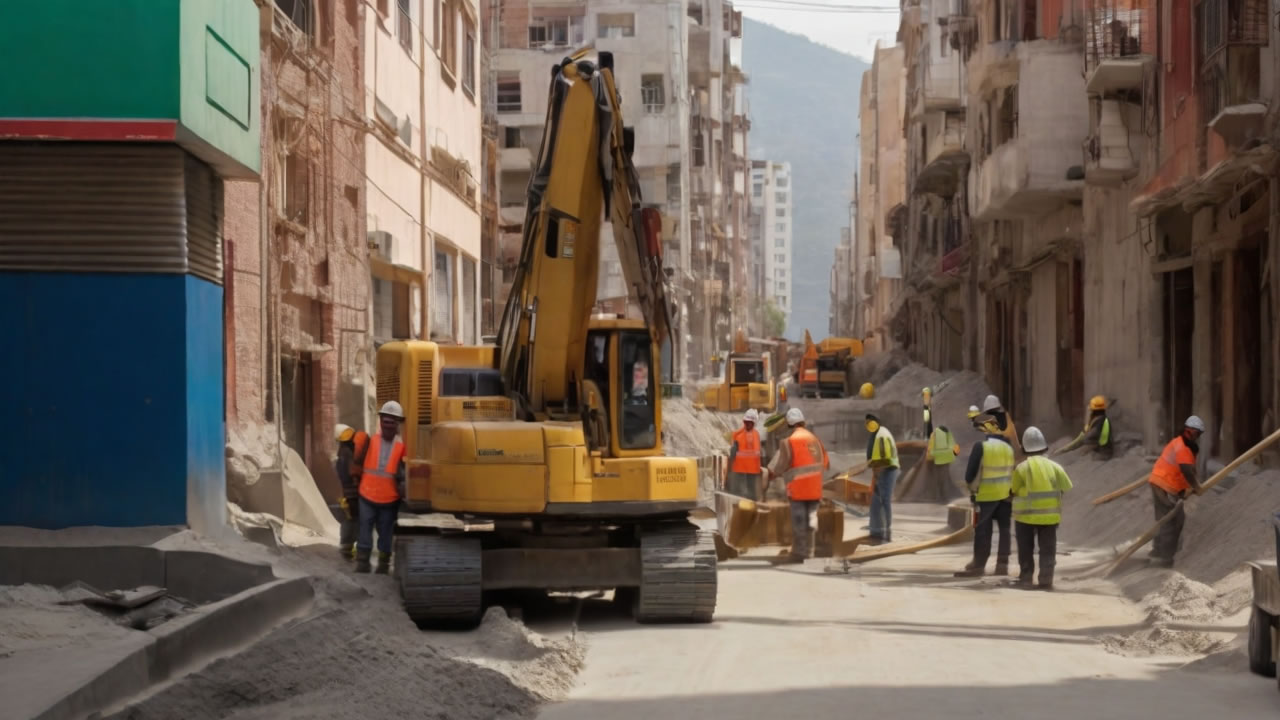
point(547, 449)
point(748, 382)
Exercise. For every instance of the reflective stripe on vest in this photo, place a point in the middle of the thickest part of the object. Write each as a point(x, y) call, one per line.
point(1041, 501)
point(997, 469)
point(804, 477)
point(944, 451)
point(884, 452)
point(1105, 436)
point(378, 482)
point(746, 458)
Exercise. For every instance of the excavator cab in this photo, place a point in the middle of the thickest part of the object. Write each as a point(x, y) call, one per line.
point(624, 414)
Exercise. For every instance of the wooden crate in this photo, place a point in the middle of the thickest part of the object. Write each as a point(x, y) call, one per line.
point(857, 491)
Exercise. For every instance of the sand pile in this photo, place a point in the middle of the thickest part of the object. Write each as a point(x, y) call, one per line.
point(689, 432)
point(1180, 616)
point(32, 620)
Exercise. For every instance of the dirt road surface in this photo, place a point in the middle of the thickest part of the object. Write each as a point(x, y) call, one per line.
point(899, 639)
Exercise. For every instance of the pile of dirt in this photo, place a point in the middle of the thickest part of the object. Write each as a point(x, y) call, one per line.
point(690, 432)
point(31, 619)
point(1178, 616)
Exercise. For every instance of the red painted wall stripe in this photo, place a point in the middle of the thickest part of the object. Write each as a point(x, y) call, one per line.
point(87, 129)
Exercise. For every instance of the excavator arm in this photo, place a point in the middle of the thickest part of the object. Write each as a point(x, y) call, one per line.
point(582, 174)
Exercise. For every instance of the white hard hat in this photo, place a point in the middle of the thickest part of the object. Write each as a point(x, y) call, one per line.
point(1033, 440)
point(392, 408)
point(973, 411)
point(991, 403)
point(1195, 423)
point(794, 416)
point(339, 431)
point(751, 416)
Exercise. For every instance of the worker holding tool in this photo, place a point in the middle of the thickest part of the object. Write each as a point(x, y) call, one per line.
point(1172, 478)
point(800, 460)
point(381, 487)
point(1037, 487)
point(352, 445)
point(882, 458)
point(988, 478)
point(744, 459)
point(940, 453)
point(927, 395)
point(1097, 431)
point(991, 406)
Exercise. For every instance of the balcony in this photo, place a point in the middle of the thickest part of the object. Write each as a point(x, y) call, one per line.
point(1231, 94)
point(1023, 178)
point(515, 158)
point(1120, 38)
point(945, 157)
point(1108, 154)
point(699, 55)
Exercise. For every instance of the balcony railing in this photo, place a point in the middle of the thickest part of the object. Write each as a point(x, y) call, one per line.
point(1119, 29)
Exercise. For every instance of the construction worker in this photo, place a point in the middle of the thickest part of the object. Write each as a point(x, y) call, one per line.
point(882, 457)
point(927, 394)
point(1097, 430)
point(988, 478)
point(352, 445)
point(381, 487)
point(1037, 487)
point(940, 453)
point(973, 412)
point(744, 459)
point(800, 461)
point(1172, 479)
point(991, 406)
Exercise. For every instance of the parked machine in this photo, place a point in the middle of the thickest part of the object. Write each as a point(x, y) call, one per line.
point(826, 369)
point(747, 381)
point(1264, 621)
point(548, 447)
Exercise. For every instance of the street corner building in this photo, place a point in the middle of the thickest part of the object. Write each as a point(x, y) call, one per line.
point(116, 134)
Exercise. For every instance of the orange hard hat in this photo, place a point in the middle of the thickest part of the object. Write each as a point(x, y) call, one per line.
point(1098, 402)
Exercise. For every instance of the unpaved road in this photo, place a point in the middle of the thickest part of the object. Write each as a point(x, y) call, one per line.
point(898, 639)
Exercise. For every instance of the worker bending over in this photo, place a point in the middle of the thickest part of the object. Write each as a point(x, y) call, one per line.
point(352, 445)
point(800, 461)
point(1097, 431)
point(988, 477)
point(1173, 478)
point(991, 406)
point(744, 459)
point(882, 457)
point(381, 487)
point(1037, 488)
point(940, 454)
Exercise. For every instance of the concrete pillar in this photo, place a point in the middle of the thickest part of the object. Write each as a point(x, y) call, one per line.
point(1203, 355)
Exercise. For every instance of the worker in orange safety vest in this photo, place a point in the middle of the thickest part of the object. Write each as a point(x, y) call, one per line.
point(1172, 478)
point(800, 460)
point(381, 487)
point(744, 459)
point(349, 465)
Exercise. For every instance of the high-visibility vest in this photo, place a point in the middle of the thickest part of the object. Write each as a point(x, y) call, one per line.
point(378, 482)
point(926, 415)
point(1166, 474)
point(361, 442)
point(746, 459)
point(1105, 436)
point(884, 452)
point(997, 469)
point(943, 451)
point(808, 460)
point(1038, 484)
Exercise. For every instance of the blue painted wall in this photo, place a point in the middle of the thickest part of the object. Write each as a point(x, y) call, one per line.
point(111, 400)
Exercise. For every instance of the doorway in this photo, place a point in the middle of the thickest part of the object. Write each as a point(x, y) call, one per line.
point(1179, 323)
point(295, 397)
point(1070, 360)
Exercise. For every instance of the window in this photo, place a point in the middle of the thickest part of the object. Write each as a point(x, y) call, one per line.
point(404, 24)
point(509, 95)
point(448, 46)
point(780, 257)
point(636, 368)
point(652, 93)
point(757, 190)
point(555, 32)
point(699, 152)
point(780, 212)
point(780, 198)
point(468, 301)
point(780, 273)
point(469, 58)
point(390, 310)
point(511, 137)
point(780, 243)
point(780, 181)
point(295, 188)
point(616, 25)
point(442, 297)
point(300, 14)
point(782, 287)
point(780, 227)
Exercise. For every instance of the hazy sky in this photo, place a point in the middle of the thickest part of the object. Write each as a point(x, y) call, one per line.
point(853, 33)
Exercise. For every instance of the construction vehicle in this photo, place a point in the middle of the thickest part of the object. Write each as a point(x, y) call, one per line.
point(747, 382)
point(547, 449)
point(826, 369)
point(1264, 620)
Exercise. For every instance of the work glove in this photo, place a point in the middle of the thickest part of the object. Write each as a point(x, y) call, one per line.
point(346, 508)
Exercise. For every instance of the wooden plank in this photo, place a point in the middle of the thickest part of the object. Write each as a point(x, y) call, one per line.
point(887, 551)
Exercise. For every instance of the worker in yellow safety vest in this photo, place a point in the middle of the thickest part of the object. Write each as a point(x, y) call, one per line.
point(882, 457)
point(988, 477)
point(800, 461)
point(941, 453)
point(1097, 431)
point(1037, 487)
point(991, 406)
point(744, 459)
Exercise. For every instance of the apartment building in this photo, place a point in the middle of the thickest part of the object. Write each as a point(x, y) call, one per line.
point(771, 189)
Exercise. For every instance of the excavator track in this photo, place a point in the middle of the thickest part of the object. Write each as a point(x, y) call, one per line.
point(677, 575)
point(440, 579)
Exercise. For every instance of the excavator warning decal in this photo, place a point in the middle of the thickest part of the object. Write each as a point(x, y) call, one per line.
point(569, 231)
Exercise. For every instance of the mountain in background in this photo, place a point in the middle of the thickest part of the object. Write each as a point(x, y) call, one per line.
point(804, 110)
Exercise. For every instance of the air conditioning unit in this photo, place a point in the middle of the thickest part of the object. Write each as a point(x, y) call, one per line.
point(380, 244)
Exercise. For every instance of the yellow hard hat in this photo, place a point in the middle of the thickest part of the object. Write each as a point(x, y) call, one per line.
point(973, 411)
point(343, 433)
point(926, 392)
point(867, 391)
point(1098, 402)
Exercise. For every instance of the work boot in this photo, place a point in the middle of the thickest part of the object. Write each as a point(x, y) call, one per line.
point(384, 563)
point(362, 561)
point(1160, 562)
point(1025, 582)
point(347, 551)
point(972, 570)
point(1002, 568)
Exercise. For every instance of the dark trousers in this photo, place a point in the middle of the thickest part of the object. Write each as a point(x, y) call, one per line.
point(991, 514)
point(1169, 537)
point(379, 516)
point(1046, 536)
point(882, 503)
point(801, 528)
